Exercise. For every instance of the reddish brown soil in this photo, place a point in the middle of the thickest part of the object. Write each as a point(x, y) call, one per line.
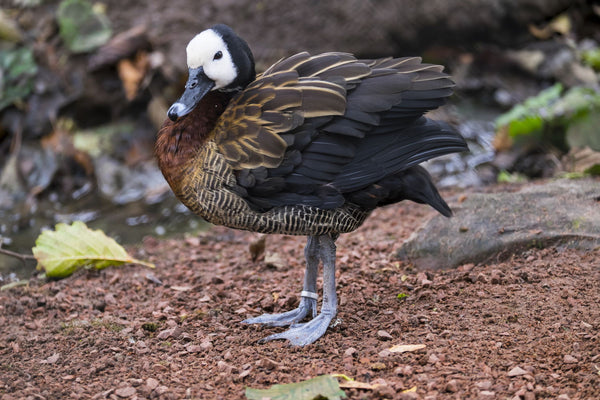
point(526, 328)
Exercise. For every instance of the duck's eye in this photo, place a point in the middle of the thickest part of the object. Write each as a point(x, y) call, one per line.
point(218, 55)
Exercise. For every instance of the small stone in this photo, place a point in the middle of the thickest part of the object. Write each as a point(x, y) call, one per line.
point(206, 345)
point(384, 353)
point(383, 335)
point(404, 370)
point(124, 392)
point(433, 359)
point(151, 383)
point(585, 325)
point(409, 396)
point(223, 366)
point(563, 396)
point(516, 371)
point(161, 389)
point(486, 394)
point(529, 396)
point(350, 351)
point(569, 359)
point(452, 386)
point(484, 385)
point(165, 334)
point(193, 348)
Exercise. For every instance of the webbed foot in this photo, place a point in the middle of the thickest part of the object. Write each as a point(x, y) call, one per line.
point(303, 334)
point(287, 318)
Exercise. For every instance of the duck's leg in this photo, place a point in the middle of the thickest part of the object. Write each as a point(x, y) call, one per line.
point(303, 334)
point(308, 299)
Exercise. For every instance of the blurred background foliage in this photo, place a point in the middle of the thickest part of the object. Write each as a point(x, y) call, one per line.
point(84, 85)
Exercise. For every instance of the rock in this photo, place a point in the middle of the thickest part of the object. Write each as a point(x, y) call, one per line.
point(561, 212)
point(350, 351)
point(151, 383)
point(487, 395)
point(569, 359)
point(124, 392)
point(516, 371)
point(383, 27)
point(383, 335)
point(484, 385)
point(452, 386)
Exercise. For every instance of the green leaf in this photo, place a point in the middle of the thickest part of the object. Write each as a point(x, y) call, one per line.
point(592, 58)
point(524, 119)
point(17, 72)
point(70, 247)
point(321, 387)
point(82, 27)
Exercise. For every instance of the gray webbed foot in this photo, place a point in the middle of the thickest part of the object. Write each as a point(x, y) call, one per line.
point(303, 334)
point(287, 318)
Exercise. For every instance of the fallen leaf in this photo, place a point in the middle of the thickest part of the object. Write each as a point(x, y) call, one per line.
point(356, 385)
point(132, 73)
point(63, 251)
point(83, 27)
point(324, 386)
point(560, 24)
point(403, 348)
point(257, 247)
point(411, 390)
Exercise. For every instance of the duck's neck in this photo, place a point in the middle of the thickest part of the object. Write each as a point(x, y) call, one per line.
point(178, 142)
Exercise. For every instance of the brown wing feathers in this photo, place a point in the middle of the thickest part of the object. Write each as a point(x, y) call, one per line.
point(312, 121)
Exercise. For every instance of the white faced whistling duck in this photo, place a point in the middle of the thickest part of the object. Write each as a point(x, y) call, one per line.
point(309, 147)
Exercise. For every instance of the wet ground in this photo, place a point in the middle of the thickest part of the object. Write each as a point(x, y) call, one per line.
point(524, 328)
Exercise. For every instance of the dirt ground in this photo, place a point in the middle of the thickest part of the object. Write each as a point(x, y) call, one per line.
point(522, 328)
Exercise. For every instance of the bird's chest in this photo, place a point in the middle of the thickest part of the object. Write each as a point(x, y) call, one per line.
point(206, 189)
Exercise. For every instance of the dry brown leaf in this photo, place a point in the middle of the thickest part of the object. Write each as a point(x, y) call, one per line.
point(356, 385)
point(403, 348)
point(560, 24)
point(122, 46)
point(132, 72)
point(60, 141)
point(257, 247)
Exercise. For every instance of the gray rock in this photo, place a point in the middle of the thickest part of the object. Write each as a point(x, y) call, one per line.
point(495, 225)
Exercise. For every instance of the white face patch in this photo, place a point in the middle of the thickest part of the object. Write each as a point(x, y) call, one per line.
point(204, 51)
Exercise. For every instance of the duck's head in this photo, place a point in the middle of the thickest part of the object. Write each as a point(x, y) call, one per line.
point(217, 59)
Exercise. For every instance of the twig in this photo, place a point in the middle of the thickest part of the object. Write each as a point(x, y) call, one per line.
point(22, 257)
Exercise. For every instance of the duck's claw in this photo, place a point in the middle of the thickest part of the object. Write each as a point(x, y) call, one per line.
point(303, 334)
point(287, 318)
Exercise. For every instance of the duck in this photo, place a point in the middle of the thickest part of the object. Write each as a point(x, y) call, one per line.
point(311, 146)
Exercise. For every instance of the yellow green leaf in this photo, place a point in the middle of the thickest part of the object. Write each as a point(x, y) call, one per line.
point(70, 247)
point(324, 386)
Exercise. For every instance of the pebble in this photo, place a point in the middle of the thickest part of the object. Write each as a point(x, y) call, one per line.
point(516, 371)
point(127, 391)
point(383, 335)
point(161, 389)
point(433, 359)
point(452, 386)
point(151, 383)
point(484, 385)
point(563, 396)
point(193, 348)
point(569, 359)
point(350, 351)
point(486, 394)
